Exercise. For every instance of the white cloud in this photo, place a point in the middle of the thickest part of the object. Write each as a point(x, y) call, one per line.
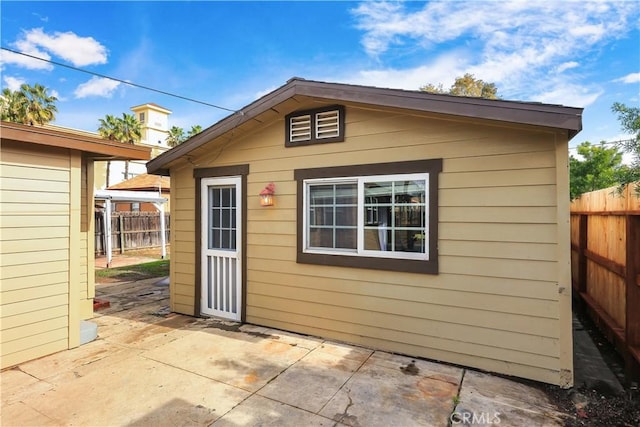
point(522, 47)
point(7, 57)
point(566, 66)
point(629, 78)
point(568, 94)
point(13, 83)
point(443, 69)
point(79, 51)
point(97, 86)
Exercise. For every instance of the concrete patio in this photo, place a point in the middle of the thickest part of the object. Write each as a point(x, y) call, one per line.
point(152, 367)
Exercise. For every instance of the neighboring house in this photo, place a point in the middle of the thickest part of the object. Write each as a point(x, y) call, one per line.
point(430, 225)
point(147, 183)
point(154, 121)
point(46, 234)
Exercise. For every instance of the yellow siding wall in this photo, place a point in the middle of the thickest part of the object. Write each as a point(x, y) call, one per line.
point(494, 305)
point(87, 242)
point(34, 251)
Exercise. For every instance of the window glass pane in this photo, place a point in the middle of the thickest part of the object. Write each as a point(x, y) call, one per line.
point(331, 208)
point(321, 195)
point(321, 237)
point(346, 194)
point(215, 242)
point(214, 196)
point(409, 241)
point(215, 220)
point(346, 238)
point(222, 218)
point(226, 196)
point(394, 212)
point(409, 216)
point(225, 239)
point(380, 190)
point(226, 218)
point(233, 215)
point(409, 191)
point(346, 215)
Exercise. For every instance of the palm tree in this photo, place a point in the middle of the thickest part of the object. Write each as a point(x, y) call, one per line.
point(125, 129)
point(29, 105)
point(131, 129)
point(40, 106)
point(196, 129)
point(110, 128)
point(10, 105)
point(176, 136)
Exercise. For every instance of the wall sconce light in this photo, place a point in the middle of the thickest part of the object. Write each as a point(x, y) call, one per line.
point(266, 195)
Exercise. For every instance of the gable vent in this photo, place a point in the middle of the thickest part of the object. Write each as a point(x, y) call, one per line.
point(300, 128)
point(316, 126)
point(328, 124)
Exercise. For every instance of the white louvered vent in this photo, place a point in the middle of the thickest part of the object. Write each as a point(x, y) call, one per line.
point(328, 124)
point(300, 128)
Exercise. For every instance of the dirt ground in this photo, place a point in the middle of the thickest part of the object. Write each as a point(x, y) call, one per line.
point(599, 406)
point(148, 252)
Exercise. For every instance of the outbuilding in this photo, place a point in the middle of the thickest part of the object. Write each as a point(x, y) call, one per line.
point(424, 224)
point(47, 236)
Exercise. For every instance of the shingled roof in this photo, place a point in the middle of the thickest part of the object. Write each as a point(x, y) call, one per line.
point(144, 182)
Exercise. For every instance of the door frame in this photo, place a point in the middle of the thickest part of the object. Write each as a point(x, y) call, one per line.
point(231, 277)
point(219, 172)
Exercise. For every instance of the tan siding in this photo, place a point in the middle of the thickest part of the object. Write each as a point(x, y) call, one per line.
point(34, 281)
point(34, 254)
point(501, 214)
point(486, 342)
point(400, 342)
point(13, 246)
point(16, 357)
point(182, 260)
point(34, 329)
point(27, 270)
point(33, 233)
point(34, 258)
point(10, 297)
point(494, 304)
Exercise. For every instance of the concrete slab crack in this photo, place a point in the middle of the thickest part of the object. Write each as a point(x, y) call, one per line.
point(455, 416)
point(344, 417)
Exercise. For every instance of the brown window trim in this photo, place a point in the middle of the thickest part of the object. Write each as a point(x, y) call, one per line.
point(432, 166)
point(312, 113)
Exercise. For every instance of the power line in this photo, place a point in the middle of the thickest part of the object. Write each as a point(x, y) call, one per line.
point(119, 80)
point(608, 143)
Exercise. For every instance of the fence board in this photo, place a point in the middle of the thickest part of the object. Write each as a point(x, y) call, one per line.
point(605, 255)
point(131, 230)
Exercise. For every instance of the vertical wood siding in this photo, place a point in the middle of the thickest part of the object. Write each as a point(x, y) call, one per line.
point(34, 251)
point(494, 304)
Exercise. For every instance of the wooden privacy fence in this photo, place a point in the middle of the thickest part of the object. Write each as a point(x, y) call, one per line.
point(605, 265)
point(131, 230)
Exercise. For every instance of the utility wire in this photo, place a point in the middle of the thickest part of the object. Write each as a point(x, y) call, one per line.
point(607, 143)
point(119, 80)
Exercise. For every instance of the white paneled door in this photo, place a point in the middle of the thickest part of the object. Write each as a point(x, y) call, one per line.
point(221, 244)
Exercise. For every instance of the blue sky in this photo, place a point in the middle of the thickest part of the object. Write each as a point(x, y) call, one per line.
point(582, 54)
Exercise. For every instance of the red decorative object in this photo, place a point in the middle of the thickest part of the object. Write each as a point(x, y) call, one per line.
point(266, 195)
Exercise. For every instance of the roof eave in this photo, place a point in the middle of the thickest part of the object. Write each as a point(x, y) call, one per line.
point(552, 116)
point(96, 148)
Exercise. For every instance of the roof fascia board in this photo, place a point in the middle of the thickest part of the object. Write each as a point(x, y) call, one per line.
point(157, 165)
point(551, 116)
point(102, 147)
point(507, 111)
